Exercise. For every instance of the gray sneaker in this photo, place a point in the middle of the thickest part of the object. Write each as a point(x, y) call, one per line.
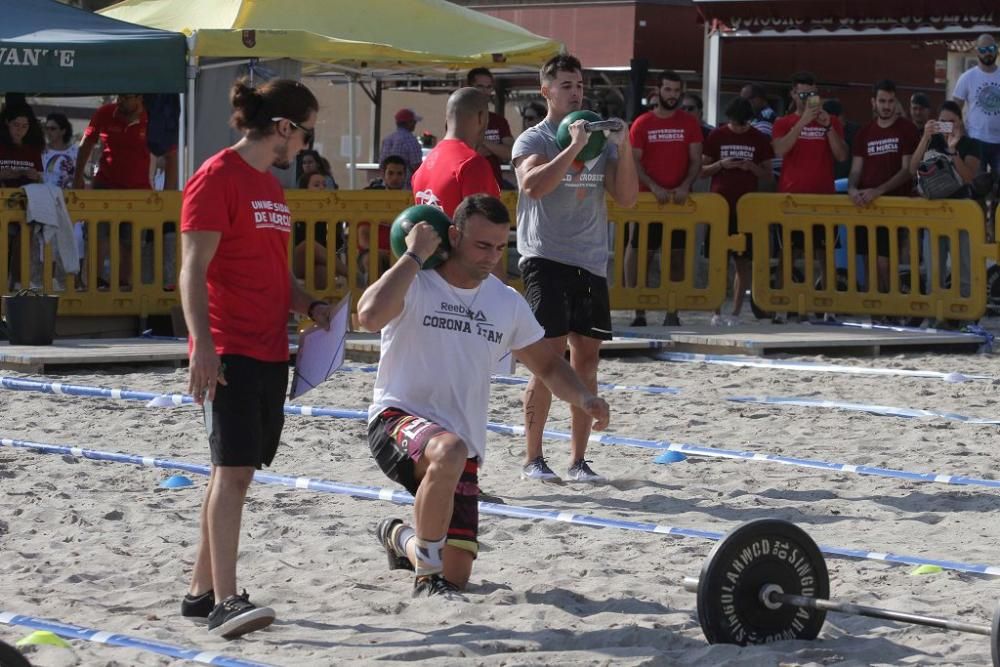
point(538, 469)
point(581, 472)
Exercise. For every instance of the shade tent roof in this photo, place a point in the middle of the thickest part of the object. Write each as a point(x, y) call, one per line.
point(848, 16)
point(422, 33)
point(47, 47)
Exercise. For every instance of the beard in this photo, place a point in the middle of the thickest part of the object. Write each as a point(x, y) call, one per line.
point(669, 104)
point(987, 60)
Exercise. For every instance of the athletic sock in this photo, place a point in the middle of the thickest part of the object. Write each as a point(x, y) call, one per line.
point(401, 536)
point(429, 556)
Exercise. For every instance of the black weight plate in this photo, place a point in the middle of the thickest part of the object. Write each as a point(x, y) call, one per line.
point(995, 637)
point(11, 657)
point(752, 555)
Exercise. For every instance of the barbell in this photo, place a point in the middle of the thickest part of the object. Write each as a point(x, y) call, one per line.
point(767, 581)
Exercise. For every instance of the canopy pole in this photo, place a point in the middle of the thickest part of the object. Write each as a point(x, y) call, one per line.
point(712, 72)
point(352, 180)
point(188, 161)
point(376, 121)
point(182, 145)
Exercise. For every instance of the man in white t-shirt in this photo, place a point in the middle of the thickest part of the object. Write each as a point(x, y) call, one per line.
point(978, 91)
point(443, 332)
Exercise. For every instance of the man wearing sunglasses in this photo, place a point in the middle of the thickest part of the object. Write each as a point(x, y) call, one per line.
point(978, 91)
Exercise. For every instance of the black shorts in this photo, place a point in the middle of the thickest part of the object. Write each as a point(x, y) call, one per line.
point(248, 412)
point(397, 440)
point(567, 299)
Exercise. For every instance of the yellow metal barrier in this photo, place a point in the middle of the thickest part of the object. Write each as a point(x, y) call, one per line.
point(690, 278)
point(325, 250)
point(140, 223)
point(806, 255)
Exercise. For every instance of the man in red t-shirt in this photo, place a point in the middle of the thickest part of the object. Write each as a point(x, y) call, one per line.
point(498, 141)
point(810, 141)
point(737, 158)
point(881, 166)
point(124, 165)
point(454, 170)
point(666, 143)
point(237, 290)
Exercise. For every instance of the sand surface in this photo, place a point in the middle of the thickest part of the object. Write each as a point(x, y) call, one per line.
point(100, 545)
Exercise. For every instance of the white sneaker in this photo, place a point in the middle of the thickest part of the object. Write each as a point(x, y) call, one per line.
point(539, 470)
point(581, 472)
point(716, 320)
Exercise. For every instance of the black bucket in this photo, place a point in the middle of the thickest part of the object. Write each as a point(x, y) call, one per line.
point(31, 318)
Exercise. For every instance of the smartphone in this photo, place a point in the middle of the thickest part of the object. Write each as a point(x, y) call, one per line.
point(945, 127)
point(600, 125)
point(814, 101)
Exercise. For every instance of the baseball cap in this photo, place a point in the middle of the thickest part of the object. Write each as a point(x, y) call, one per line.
point(921, 100)
point(407, 115)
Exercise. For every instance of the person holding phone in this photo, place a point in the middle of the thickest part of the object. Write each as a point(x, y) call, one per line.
point(810, 141)
point(947, 135)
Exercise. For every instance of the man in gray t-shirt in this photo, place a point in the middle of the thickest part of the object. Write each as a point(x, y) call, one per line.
point(562, 237)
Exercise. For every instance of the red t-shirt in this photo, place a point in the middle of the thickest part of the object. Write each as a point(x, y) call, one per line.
point(497, 128)
point(752, 145)
point(664, 144)
point(13, 156)
point(808, 167)
point(125, 156)
point(883, 149)
point(248, 281)
point(450, 173)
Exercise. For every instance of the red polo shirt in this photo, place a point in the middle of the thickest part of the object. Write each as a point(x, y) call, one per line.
point(125, 156)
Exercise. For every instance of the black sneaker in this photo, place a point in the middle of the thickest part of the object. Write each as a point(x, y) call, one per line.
point(639, 321)
point(236, 616)
point(198, 608)
point(434, 584)
point(384, 534)
point(671, 320)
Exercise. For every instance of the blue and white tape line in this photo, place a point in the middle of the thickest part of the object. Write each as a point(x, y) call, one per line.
point(507, 429)
point(71, 631)
point(885, 410)
point(813, 367)
point(512, 511)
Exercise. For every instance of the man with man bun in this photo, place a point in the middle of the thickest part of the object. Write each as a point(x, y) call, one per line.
point(237, 290)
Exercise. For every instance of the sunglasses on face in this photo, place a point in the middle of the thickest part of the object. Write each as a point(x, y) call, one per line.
point(986, 50)
point(307, 132)
point(806, 96)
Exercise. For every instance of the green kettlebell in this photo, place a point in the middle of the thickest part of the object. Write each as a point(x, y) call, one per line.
point(595, 144)
point(404, 222)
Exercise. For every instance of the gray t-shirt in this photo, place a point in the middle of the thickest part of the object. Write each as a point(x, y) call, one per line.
point(570, 224)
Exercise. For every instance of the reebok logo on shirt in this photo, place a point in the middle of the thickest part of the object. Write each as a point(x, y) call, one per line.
point(269, 214)
point(445, 318)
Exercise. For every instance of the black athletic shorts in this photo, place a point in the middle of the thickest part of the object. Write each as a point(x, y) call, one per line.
point(248, 412)
point(567, 299)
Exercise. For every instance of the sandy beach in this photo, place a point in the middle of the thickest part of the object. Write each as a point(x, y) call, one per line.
point(101, 545)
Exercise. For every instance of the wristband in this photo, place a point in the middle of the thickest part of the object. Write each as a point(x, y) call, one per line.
point(415, 257)
point(309, 310)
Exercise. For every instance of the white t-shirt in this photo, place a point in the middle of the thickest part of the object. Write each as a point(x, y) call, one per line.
point(439, 352)
point(981, 93)
point(59, 166)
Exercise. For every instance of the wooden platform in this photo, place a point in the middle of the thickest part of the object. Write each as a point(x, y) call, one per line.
point(764, 339)
point(757, 340)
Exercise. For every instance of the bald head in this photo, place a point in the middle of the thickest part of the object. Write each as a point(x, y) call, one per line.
point(985, 40)
point(465, 103)
point(986, 49)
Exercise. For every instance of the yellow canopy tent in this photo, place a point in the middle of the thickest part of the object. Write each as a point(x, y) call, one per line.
point(397, 34)
point(364, 38)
